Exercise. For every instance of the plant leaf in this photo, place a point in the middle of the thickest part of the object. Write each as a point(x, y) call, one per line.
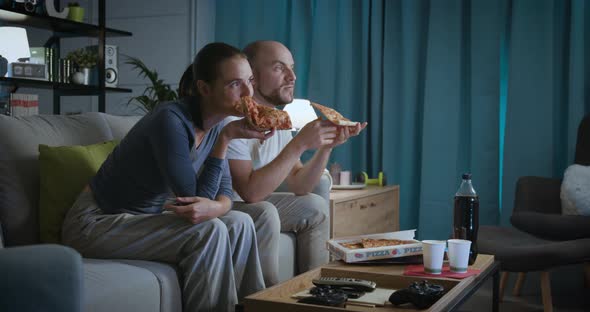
point(158, 91)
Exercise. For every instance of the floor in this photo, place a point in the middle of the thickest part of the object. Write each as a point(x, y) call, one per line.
point(567, 288)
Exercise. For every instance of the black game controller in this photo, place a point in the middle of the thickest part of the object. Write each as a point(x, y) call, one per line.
point(420, 294)
point(325, 296)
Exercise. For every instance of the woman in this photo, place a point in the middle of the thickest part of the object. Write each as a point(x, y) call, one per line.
point(178, 148)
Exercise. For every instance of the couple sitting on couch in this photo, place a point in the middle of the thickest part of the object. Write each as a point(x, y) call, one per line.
point(182, 147)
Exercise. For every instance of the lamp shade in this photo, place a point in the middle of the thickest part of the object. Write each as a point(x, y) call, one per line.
point(14, 43)
point(301, 112)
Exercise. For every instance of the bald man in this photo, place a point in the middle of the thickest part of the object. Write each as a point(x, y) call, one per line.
point(258, 169)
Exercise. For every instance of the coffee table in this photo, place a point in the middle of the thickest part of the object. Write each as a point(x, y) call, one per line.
point(278, 297)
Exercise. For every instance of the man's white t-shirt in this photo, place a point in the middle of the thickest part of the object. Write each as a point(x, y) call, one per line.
point(252, 149)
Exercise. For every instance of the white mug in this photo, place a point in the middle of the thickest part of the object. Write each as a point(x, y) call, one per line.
point(344, 177)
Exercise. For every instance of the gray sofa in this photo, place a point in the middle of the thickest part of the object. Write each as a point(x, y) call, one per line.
point(108, 285)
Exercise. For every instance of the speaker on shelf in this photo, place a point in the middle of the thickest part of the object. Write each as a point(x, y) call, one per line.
point(111, 56)
point(111, 65)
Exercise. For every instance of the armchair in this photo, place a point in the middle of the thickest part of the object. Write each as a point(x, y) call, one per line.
point(542, 237)
point(537, 205)
point(537, 210)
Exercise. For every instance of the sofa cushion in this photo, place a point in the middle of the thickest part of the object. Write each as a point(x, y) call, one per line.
point(287, 256)
point(118, 287)
point(19, 170)
point(63, 173)
point(120, 125)
point(170, 293)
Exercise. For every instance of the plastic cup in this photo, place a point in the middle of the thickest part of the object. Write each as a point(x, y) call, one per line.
point(433, 252)
point(459, 255)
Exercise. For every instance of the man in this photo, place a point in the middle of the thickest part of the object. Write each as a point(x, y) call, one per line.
point(258, 169)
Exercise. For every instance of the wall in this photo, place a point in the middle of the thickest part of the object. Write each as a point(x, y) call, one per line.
point(162, 39)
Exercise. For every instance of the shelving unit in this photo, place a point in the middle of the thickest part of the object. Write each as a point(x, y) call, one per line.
point(64, 28)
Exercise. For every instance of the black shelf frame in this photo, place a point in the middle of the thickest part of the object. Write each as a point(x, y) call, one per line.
point(64, 28)
point(67, 87)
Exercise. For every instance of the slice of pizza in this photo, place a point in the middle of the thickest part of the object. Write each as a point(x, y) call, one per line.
point(262, 117)
point(334, 116)
point(356, 245)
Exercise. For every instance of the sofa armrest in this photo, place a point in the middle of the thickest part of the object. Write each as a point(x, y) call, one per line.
point(52, 275)
point(537, 194)
point(323, 187)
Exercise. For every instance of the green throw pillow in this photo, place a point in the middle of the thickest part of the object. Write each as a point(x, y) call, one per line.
point(63, 173)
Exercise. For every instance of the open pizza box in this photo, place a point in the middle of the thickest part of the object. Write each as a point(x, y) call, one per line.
point(340, 252)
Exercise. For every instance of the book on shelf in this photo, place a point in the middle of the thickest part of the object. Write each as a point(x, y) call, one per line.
point(43, 55)
point(24, 104)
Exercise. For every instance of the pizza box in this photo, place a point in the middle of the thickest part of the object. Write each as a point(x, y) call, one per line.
point(363, 254)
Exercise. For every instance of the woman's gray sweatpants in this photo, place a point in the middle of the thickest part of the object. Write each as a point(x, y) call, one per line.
point(218, 258)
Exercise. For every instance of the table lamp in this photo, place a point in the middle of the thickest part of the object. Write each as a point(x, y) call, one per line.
point(301, 112)
point(15, 46)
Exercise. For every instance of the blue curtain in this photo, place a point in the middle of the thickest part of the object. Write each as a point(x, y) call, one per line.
point(495, 88)
point(547, 96)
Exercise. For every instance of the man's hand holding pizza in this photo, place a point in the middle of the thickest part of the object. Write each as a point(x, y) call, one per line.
point(346, 132)
point(316, 134)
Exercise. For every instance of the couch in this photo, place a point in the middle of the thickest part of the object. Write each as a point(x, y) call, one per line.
point(108, 285)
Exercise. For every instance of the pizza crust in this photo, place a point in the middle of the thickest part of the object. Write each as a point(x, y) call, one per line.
point(347, 123)
point(334, 116)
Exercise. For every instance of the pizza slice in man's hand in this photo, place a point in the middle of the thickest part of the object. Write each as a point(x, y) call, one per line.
point(334, 116)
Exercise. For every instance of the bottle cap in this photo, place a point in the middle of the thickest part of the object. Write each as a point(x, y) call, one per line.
point(466, 176)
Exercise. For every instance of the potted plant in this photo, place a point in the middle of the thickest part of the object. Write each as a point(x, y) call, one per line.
point(76, 12)
point(85, 60)
point(153, 94)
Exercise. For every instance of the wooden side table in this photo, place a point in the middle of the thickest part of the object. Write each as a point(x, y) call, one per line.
point(373, 209)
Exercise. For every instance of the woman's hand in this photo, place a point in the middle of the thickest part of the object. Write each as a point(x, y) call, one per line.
point(240, 129)
point(196, 209)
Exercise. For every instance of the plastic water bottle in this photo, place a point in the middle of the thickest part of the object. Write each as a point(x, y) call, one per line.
point(466, 215)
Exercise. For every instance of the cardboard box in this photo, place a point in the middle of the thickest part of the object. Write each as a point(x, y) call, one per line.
point(364, 254)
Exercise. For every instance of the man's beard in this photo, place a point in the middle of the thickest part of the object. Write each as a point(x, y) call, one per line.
point(274, 97)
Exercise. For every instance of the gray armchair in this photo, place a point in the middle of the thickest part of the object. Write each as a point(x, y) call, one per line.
point(537, 205)
point(537, 210)
point(541, 237)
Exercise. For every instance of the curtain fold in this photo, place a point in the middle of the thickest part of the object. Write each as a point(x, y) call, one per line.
point(546, 92)
point(427, 76)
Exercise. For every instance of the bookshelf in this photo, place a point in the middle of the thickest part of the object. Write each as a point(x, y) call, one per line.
point(64, 28)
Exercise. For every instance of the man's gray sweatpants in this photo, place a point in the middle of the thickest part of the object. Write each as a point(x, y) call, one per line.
point(218, 258)
point(307, 216)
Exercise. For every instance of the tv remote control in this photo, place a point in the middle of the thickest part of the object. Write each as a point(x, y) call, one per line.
point(345, 282)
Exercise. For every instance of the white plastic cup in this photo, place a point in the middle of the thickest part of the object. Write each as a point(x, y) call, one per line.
point(344, 177)
point(433, 252)
point(459, 255)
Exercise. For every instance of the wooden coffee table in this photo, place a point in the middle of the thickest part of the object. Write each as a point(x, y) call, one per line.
point(278, 297)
